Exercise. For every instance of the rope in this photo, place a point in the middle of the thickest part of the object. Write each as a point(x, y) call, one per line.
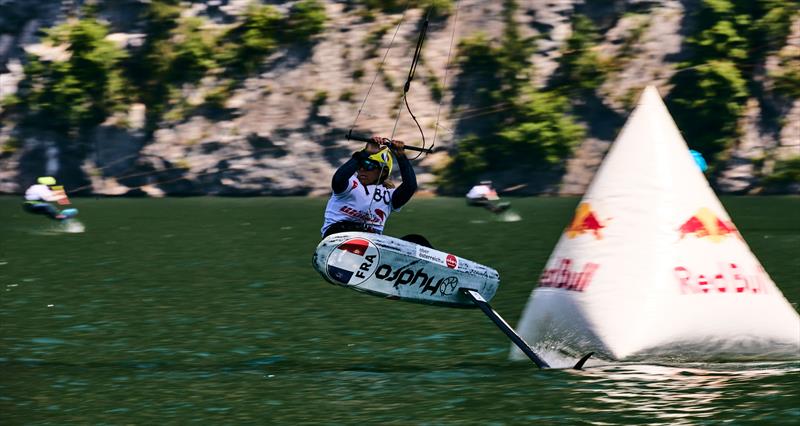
point(446, 70)
point(380, 66)
point(411, 72)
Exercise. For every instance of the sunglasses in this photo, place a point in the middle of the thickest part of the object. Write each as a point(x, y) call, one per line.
point(369, 165)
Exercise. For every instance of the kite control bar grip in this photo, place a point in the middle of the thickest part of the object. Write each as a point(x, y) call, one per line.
point(363, 138)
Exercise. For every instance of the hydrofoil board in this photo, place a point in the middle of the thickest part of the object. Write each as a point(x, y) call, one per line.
point(396, 269)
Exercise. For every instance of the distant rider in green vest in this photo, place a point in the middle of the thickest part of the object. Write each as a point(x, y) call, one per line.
point(39, 196)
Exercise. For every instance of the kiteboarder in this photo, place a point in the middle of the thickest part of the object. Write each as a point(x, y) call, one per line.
point(484, 195)
point(39, 196)
point(364, 196)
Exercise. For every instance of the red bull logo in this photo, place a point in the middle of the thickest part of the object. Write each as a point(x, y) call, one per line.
point(585, 221)
point(705, 224)
point(562, 275)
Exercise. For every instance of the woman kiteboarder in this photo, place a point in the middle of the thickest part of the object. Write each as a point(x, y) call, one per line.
point(363, 195)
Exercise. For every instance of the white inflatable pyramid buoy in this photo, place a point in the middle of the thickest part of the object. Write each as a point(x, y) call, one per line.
point(652, 267)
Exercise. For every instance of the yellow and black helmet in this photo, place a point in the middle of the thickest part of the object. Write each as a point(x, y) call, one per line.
point(46, 180)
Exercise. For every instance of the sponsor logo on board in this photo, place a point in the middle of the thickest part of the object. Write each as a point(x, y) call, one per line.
point(705, 224)
point(410, 275)
point(353, 261)
point(437, 257)
point(585, 221)
point(451, 261)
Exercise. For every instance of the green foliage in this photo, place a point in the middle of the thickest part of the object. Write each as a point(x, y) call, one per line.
point(515, 65)
point(480, 62)
point(438, 8)
point(730, 39)
point(774, 25)
point(722, 41)
point(435, 86)
point(216, 97)
point(707, 102)
point(785, 172)
point(9, 101)
point(245, 46)
point(532, 129)
point(306, 19)
point(264, 29)
point(743, 31)
point(320, 97)
point(10, 146)
point(787, 77)
point(470, 161)
point(580, 68)
point(81, 90)
point(346, 96)
point(628, 48)
point(384, 5)
point(544, 132)
point(387, 80)
point(153, 70)
point(193, 52)
point(373, 40)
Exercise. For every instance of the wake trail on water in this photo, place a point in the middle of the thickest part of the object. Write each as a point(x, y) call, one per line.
point(72, 226)
point(508, 216)
point(67, 226)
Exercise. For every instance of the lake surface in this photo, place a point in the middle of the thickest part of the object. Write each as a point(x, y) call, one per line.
point(206, 310)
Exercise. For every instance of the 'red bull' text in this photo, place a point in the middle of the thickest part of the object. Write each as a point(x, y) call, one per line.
point(564, 277)
point(729, 278)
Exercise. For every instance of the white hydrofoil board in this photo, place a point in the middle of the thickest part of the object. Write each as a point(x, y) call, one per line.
point(396, 269)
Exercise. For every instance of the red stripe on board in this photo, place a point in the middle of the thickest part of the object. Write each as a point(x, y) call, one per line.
point(358, 247)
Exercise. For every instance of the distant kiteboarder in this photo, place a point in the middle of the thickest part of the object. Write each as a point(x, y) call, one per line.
point(484, 195)
point(364, 196)
point(39, 196)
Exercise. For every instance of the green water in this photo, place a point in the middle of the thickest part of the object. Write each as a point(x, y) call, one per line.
point(206, 310)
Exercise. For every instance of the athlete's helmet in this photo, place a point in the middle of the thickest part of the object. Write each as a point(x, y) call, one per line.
point(46, 180)
point(382, 159)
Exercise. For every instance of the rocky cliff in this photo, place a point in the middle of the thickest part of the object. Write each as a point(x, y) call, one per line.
point(280, 129)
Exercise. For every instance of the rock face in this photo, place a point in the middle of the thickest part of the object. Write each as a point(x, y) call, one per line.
point(281, 131)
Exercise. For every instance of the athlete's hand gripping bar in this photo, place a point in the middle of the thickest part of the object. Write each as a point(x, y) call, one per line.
point(362, 138)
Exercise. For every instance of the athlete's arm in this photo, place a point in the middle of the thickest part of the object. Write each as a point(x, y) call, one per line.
point(406, 189)
point(341, 178)
point(345, 171)
point(46, 194)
